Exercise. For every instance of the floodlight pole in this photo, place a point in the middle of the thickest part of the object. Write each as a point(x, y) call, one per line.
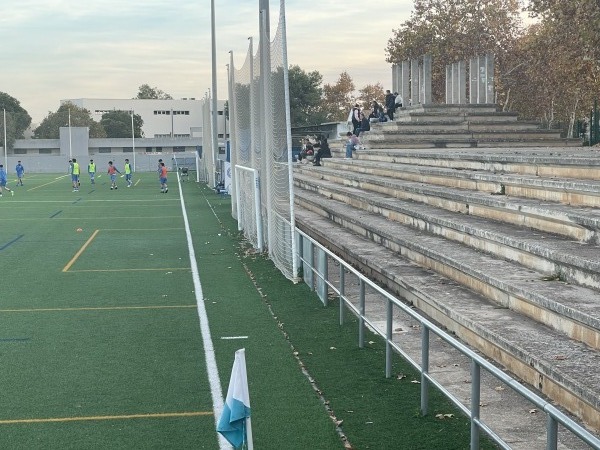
point(70, 151)
point(133, 140)
point(215, 142)
point(5, 148)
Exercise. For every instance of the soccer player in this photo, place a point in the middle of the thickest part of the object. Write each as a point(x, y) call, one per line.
point(128, 172)
point(163, 178)
point(112, 172)
point(3, 181)
point(75, 174)
point(92, 171)
point(20, 172)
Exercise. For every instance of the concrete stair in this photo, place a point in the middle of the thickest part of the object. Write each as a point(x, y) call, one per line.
point(505, 258)
point(455, 126)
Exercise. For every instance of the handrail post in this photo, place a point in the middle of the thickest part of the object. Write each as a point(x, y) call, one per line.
point(342, 292)
point(475, 403)
point(361, 319)
point(388, 341)
point(551, 433)
point(424, 370)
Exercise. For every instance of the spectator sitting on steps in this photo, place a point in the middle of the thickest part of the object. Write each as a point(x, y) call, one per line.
point(365, 125)
point(352, 144)
point(323, 151)
point(377, 113)
point(307, 150)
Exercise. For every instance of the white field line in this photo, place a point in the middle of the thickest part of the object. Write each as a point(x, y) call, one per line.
point(209, 351)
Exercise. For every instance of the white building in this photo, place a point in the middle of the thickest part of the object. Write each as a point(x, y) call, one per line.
point(162, 118)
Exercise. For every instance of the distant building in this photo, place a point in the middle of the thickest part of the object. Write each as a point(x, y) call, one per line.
point(162, 118)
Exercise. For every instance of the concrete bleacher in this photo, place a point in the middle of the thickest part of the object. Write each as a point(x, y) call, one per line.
point(499, 245)
point(459, 126)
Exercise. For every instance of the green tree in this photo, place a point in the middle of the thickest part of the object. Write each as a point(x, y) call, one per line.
point(338, 98)
point(147, 92)
point(305, 97)
point(17, 119)
point(117, 124)
point(80, 117)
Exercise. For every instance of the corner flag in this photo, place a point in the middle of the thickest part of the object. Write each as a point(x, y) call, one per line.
point(234, 423)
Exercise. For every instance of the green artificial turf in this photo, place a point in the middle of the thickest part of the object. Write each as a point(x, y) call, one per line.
point(98, 321)
point(375, 412)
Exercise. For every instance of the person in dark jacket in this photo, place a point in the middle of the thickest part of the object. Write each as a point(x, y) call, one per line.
point(365, 125)
point(323, 151)
point(390, 104)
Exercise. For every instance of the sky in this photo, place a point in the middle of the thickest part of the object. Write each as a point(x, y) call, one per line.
point(59, 49)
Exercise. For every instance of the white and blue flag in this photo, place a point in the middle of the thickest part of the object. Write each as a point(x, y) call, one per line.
point(234, 423)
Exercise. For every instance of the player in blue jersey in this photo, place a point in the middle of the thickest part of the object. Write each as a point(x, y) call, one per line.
point(20, 173)
point(3, 181)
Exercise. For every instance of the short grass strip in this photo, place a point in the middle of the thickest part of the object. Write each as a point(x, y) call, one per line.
point(372, 411)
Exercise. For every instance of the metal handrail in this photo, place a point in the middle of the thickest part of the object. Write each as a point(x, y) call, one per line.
point(554, 416)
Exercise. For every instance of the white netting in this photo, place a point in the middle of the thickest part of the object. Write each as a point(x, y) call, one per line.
point(262, 141)
point(247, 209)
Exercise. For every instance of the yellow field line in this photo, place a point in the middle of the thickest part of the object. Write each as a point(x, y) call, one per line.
point(127, 270)
point(97, 418)
point(99, 308)
point(46, 184)
point(142, 229)
point(81, 250)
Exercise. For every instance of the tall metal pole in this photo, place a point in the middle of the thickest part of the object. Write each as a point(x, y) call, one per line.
point(133, 140)
point(70, 150)
point(5, 148)
point(215, 142)
point(288, 121)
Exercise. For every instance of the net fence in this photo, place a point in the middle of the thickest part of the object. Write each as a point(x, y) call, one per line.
point(261, 140)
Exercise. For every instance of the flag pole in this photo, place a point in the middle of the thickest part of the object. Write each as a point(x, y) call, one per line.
point(235, 424)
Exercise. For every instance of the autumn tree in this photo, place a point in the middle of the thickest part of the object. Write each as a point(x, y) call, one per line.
point(456, 30)
point(338, 98)
point(79, 117)
point(370, 93)
point(118, 124)
point(561, 55)
point(147, 92)
point(17, 119)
